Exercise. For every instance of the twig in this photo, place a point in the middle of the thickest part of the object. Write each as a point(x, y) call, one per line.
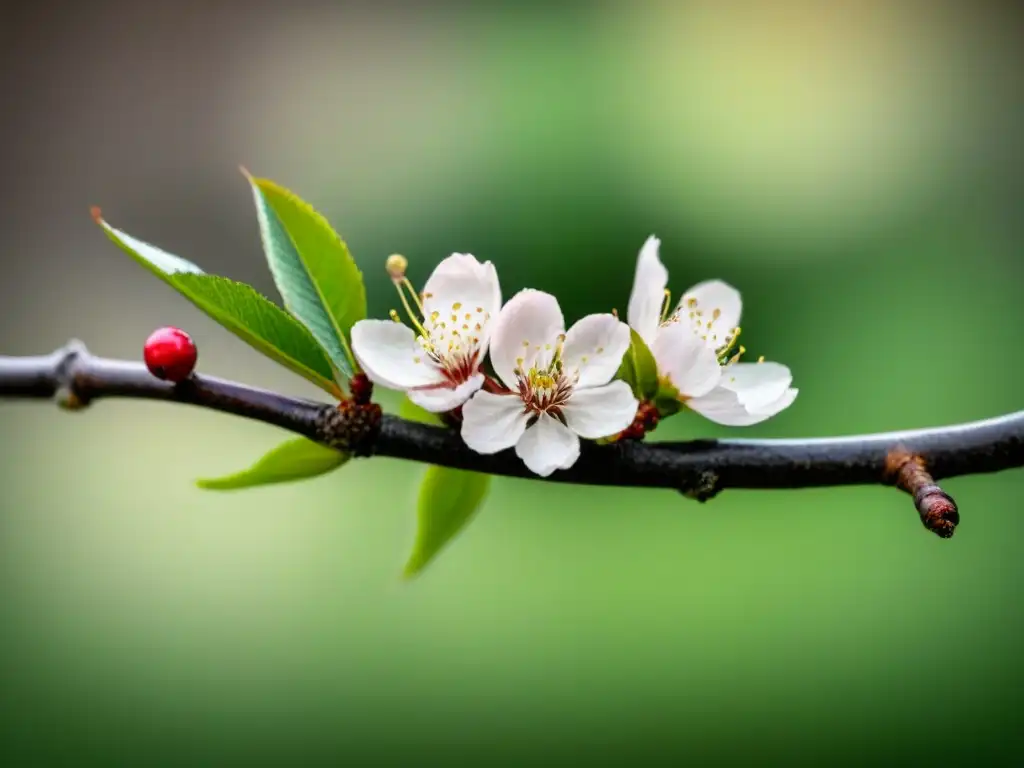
point(910, 460)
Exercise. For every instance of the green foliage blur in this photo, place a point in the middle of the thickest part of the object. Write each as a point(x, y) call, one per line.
point(851, 173)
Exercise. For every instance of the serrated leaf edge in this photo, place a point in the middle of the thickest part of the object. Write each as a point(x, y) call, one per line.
point(258, 184)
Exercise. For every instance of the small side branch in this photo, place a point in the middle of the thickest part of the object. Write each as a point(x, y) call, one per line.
point(910, 460)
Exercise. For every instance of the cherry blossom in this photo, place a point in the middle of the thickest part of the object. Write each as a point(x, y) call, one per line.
point(560, 384)
point(696, 347)
point(437, 361)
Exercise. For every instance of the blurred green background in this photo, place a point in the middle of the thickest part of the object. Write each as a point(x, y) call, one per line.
point(855, 169)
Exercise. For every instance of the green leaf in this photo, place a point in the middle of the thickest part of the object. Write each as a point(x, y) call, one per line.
point(639, 369)
point(162, 264)
point(297, 459)
point(313, 269)
point(409, 411)
point(448, 499)
point(236, 306)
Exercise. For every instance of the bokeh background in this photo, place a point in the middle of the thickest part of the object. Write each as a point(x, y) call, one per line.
point(854, 168)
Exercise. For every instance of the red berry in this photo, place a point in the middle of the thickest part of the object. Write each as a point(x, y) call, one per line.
point(170, 354)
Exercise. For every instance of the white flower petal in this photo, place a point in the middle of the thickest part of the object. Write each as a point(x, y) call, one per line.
point(712, 295)
point(723, 406)
point(461, 278)
point(442, 399)
point(570, 458)
point(387, 351)
point(548, 445)
point(492, 423)
point(461, 285)
point(594, 346)
point(776, 406)
point(600, 411)
point(757, 384)
point(688, 363)
point(648, 295)
point(530, 320)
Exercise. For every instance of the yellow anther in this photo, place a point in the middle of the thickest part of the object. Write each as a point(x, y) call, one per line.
point(394, 316)
point(716, 314)
point(542, 380)
point(600, 350)
point(760, 359)
point(456, 306)
point(691, 303)
point(396, 265)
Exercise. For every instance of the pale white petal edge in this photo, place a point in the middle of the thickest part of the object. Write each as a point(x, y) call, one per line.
point(601, 411)
point(389, 355)
point(441, 399)
point(712, 295)
point(757, 384)
point(548, 445)
point(645, 300)
point(492, 423)
point(723, 406)
point(685, 360)
point(594, 347)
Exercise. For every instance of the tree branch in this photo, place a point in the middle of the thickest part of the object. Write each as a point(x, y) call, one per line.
point(910, 460)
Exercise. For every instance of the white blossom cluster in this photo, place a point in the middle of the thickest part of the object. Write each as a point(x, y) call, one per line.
point(552, 386)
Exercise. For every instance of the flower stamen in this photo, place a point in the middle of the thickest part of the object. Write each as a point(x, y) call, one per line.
point(457, 354)
point(666, 303)
point(725, 351)
point(545, 387)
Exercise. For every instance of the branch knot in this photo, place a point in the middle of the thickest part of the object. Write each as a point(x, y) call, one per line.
point(68, 394)
point(351, 426)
